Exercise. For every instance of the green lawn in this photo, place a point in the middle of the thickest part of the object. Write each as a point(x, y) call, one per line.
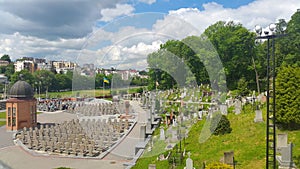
point(2, 123)
point(2, 115)
point(86, 93)
point(247, 140)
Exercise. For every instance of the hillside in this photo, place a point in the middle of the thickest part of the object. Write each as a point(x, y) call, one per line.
point(247, 140)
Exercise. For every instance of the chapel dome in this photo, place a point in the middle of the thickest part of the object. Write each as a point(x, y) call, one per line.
point(21, 89)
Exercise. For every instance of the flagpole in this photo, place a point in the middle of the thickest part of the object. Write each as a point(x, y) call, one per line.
point(103, 90)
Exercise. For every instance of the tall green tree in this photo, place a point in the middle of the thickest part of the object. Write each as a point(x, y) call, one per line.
point(22, 75)
point(288, 47)
point(46, 79)
point(288, 97)
point(6, 58)
point(234, 44)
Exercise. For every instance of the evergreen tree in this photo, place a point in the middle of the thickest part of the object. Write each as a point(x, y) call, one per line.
point(288, 97)
point(220, 125)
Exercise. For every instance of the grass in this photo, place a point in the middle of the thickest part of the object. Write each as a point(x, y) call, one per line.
point(247, 140)
point(2, 115)
point(85, 93)
point(2, 123)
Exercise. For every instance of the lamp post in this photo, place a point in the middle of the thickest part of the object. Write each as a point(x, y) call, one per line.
point(269, 34)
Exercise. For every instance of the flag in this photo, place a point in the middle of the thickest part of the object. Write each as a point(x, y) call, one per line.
point(105, 80)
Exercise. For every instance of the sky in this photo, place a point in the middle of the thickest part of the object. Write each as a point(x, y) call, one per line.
point(120, 33)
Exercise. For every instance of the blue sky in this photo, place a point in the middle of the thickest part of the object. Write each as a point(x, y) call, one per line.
point(166, 5)
point(120, 32)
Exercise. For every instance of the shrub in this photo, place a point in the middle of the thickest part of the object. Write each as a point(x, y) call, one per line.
point(220, 124)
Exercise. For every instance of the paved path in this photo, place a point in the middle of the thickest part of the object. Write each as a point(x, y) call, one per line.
point(5, 137)
point(17, 158)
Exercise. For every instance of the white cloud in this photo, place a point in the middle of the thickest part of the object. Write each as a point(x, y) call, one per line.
point(148, 1)
point(262, 12)
point(109, 14)
point(128, 46)
point(17, 45)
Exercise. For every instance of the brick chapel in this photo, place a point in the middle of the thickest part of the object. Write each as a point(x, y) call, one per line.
point(20, 107)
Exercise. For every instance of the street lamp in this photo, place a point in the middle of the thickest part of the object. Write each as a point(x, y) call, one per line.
point(269, 34)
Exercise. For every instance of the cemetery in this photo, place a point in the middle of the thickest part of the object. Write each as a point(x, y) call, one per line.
point(170, 124)
point(203, 100)
point(98, 127)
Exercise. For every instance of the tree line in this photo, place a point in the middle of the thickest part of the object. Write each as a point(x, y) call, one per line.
point(243, 60)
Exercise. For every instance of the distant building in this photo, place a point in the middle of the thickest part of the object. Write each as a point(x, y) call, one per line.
point(21, 107)
point(63, 66)
point(24, 64)
point(3, 63)
point(43, 66)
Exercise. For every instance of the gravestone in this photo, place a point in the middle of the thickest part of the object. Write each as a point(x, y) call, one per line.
point(282, 140)
point(258, 116)
point(223, 109)
point(152, 166)
point(200, 114)
point(189, 162)
point(162, 134)
point(174, 135)
point(237, 106)
point(229, 157)
point(286, 158)
point(142, 132)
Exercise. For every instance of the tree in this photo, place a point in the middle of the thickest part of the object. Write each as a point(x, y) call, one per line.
point(234, 44)
point(63, 82)
point(288, 97)
point(288, 47)
point(242, 87)
point(26, 76)
point(9, 70)
point(175, 64)
point(220, 125)
point(46, 78)
point(6, 58)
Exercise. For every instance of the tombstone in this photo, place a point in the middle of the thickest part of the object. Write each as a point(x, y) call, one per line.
point(82, 148)
point(74, 148)
point(237, 106)
point(162, 134)
point(189, 162)
point(43, 143)
point(29, 143)
point(223, 109)
point(152, 166)
point(51, 146)
point(67, 147)
point(174, 135)
point(258, 116)
point(282, 140)
point(22, 137)
point(286, 158)
point(200, 115)
point(91, 150)
point(229, 157)
point(142, 132)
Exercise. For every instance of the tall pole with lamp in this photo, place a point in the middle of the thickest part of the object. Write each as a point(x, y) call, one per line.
point(269, 34)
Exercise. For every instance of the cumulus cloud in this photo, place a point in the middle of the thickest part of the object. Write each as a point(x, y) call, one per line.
point(148, 1)
point(109, 14)
point(262, 12)
point(63, 30)
point(18, 45)
point(51, 19)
